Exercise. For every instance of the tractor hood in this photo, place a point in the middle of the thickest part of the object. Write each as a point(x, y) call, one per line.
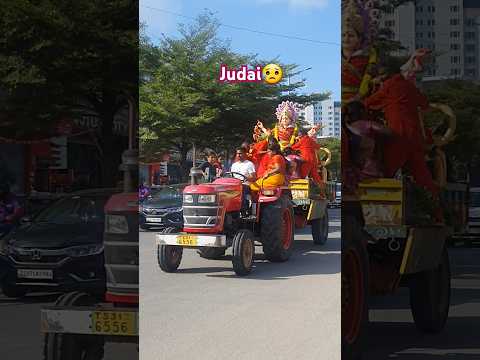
point(218, 186)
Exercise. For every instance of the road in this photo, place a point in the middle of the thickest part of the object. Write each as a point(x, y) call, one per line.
point(394, 336)
point(280, 311)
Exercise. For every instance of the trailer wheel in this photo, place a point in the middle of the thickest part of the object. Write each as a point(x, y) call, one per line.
point(355, 272)
point(320, 230)
point(211, 252)
point(169, 257)
point(430, 296)
point(277, 230)
point(243, 252)
point(73, 346)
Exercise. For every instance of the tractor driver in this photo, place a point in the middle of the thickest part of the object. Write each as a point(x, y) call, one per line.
point(246, 168)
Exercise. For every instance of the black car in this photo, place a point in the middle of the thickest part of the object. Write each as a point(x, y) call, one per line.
point(162, 208)
point(60, 249)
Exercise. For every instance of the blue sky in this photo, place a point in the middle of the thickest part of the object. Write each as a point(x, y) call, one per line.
point(311, 19)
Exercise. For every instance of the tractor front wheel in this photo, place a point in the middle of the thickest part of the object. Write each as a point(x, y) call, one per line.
point(243, 252)
point(169, 256)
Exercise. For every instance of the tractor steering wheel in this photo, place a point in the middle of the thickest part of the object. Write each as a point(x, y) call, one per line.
point(231, 173)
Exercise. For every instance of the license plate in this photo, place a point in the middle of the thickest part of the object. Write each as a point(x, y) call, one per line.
point(113, 323)
point(35, 274)
point(154, 220)
point(299, 194)
point(190, 240)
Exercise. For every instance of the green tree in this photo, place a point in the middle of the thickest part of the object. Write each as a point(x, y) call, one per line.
point(335, 166)
point(57, 54)
point(182, 102)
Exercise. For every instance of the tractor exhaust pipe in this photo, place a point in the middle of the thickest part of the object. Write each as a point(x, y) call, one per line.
point(195, 175)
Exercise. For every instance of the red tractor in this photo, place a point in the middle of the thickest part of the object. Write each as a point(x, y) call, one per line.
point(216, 217)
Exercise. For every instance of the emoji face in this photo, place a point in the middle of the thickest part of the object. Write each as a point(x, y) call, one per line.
point(272, 73)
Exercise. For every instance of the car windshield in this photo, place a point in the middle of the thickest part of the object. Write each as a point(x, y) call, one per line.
point(475, 199)
point(166, 196)
point(74, 209)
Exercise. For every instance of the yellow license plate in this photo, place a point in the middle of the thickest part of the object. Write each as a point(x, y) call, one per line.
point(189, 240)
point(299, 194)
point(114, 323)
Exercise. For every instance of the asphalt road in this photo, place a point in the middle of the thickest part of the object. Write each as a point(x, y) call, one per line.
point(393, 334)
point(280, 311)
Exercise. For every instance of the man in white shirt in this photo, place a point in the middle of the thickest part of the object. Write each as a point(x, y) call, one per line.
point(243, 166)
point(247, 169)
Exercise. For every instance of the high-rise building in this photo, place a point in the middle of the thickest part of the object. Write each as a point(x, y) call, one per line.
point(450, 28)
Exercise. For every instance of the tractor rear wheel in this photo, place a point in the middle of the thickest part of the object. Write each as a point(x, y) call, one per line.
point(169, 257)
point(243, 252)
point(277, 229)
point(355, 272)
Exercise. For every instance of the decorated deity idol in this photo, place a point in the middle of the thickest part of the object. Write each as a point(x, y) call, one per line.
point(287, 134)
point(359, 57)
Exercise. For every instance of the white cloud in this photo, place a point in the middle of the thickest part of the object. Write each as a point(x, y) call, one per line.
point(298, 4)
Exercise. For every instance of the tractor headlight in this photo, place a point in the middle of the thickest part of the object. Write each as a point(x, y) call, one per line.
point(207, 198)
point(269, 192)
point(188, 198)
point(116, 224)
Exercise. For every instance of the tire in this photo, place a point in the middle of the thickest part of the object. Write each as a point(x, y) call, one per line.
point(211, 253)
point(243, 252)
point(355, 275)
point(320, 230)
point(13, 291)
point(73, 346)
point(277, 230)
point(169, 257)
point(430, 297)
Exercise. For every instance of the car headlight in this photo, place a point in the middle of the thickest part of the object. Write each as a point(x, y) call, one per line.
point(85, 250)
point(207, 198)
point(116, 224)
point(188, 198)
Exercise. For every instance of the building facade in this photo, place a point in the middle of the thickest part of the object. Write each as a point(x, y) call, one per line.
point(450, 28)
point(328, 114)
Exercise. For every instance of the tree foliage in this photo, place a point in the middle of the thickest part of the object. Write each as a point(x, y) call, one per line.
point(57, 55)
point(182, 102)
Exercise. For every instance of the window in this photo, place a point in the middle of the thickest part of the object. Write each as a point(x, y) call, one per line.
point(471, 72)
point(470, 60)
point(454, 8)
point(470, 22)
point(470, 35)
point(454, 34)
point(420, 35)
point(470, 47)
point(454, 71)
point(454, 21)
point(454, 59)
